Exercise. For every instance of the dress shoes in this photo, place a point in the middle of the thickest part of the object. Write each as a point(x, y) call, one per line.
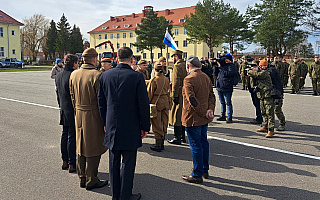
point(135, 196)
point(65, 165)
point(174, 141)
point(156, 148)
point(229, 120)
point(72, 169)
point(205, 176)
point(222, 119)
point(99, 184)
point(192, 179)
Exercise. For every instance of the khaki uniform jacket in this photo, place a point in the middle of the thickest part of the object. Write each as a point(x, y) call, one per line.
point(242, 68)
point(294, 70)
point(178, 74)
point(198, 97)
point(145, 74)
point(154, 89)
point(314, 71)
point(84, 85)
point(280, 67)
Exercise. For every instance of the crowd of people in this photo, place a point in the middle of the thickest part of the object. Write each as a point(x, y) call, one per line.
point(95, 106)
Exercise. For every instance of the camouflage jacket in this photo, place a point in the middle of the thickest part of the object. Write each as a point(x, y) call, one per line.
point(314, 70)
point(261, 80)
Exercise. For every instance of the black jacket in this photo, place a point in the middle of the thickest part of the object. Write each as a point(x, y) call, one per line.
point(225, 77)
point(275, 77)
point(64, 98)
point(124, 107)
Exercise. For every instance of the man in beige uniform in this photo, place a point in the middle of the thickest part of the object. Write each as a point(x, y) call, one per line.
point(142, 68)
point(178, 74)
point(84, 85)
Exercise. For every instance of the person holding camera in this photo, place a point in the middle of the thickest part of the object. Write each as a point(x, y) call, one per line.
point(262, 85)
point(225, 72)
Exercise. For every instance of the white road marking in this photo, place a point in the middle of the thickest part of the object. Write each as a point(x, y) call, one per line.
point(209, 137)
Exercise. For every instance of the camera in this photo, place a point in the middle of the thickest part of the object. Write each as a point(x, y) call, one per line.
point(221, 60)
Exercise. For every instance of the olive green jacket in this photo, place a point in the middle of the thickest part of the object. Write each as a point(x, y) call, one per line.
point(314, 70)
point(263, 81)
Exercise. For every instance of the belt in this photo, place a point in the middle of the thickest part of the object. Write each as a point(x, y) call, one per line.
point(86, 107)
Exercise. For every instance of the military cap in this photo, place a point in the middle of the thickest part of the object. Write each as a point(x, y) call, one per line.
point(316, 56)
point(194, 60)
point(108, 60)
point(141, 62)
point(158, 66)
point(90, 52)
point(177, 52)
point(162, 59)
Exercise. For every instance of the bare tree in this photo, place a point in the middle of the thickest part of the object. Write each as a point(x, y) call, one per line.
point(34, 34)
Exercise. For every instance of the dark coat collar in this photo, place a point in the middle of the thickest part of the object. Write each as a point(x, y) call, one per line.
point(122, 65)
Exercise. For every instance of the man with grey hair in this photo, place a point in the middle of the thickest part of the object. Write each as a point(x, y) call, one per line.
point(198, 110)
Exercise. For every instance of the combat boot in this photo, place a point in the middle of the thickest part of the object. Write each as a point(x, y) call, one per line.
point(262, 130)
point(281, 128)
point(157, 146)
point(270, 134)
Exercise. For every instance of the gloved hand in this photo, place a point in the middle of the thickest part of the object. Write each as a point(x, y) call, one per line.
point(175, 100)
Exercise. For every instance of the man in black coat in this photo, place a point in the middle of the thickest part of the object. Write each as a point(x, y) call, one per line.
point(124, 109)
point(68, 137)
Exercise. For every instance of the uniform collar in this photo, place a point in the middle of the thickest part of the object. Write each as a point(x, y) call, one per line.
point(88, 66)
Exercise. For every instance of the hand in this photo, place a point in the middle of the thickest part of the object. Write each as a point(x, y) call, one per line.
point(175, 100)
point(210, 114)
point(301, 77)
point(143, 134)
point(104, 128)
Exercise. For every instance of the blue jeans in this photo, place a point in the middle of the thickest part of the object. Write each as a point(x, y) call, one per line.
point(256, 103)
point(68, 145)
point(225, 101)
point(199, 146)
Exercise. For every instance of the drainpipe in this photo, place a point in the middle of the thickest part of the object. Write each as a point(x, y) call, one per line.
point(8, 41)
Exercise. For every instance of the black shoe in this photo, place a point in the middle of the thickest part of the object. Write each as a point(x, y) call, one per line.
point(174, 141)
point(293, 92)
point(315, 94)
point(99, 184)
point(135, 196)
point(156, 148)
point(82, 185)
point(229, 120)
point(183, 140)
point(221, 119)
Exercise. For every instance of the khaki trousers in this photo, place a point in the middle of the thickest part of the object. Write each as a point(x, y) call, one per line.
point(87, 169)
point(160, 124)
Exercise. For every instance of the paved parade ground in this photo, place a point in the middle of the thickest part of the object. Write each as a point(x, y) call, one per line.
point(243, 163)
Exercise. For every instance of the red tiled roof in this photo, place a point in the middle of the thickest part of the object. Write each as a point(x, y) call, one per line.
point(6, 19)
point(118, 23)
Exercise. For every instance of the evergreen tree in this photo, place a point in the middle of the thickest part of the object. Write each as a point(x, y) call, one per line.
point(63, 43)
point(52, 35)
point(76, 41)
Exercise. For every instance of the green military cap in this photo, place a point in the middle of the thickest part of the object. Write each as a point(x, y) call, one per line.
point(90, 52)
point(177, 52)
point(108, 60)
point(162, 59)
point(141, 62)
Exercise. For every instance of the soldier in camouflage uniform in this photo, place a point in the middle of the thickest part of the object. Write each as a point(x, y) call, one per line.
point(314, 73)
point(303, 73)
point(243, 73)
point(285, 75)
point(262, 83)
point(294, 74)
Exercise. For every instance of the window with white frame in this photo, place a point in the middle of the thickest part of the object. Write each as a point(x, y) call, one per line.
point(131, 35)
point(1, 51)
point(1, 31)
point(124, 35)
point(118, 46)
point(137, 50)
point(185, 54)
point(182, 20)
point(111, 36)
point(118, 35)
point(99, 37)
point(124, 44)
point(105, 36)
point(144, 55)
point(131, 45)
point(176, 31)
point(105, 46)
point(177, 43)
point(185, 31)
point(185, 43)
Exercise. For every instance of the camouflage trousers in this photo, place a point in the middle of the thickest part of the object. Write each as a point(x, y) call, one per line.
point(245, 81)
point(316, 84)
point(267, 111)
point(295, 81)
point(302, 81)
point(279, 113)
point(285, 80)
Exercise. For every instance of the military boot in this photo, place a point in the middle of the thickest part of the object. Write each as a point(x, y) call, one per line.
point(262, 130)
point(177, 135)
point(281, 128)
point(157, 146)
point(162, 144)
point(270, 134)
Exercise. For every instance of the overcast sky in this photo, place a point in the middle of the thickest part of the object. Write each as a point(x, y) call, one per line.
point(89, 14)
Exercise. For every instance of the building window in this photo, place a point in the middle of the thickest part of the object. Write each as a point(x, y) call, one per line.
point(111, 36)
point(104, 27)
point(131, 45)
point(185, 54)
point(126, 25)
point(105, 46)
point(99, 37)
point(185, 43)
point(1, 51)
point(100, 47)
point(176, 31)
point(159, 55)
point(124, 35)
point(115, 26)
point(144, 55)
point(185, 31)
point(182, 20)
point(137, 50)
point(13, 32)
point(131, 35)
point(13, 51)
point(176, 43)
point(124, 44)
point(105, 36)
point(1, 31)
point(168, 55)
point(118, 46)
point(118, 35)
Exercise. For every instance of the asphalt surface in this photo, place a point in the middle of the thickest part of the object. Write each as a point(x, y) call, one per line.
point(30, 159)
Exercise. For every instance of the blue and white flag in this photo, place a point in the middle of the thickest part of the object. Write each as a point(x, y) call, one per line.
point(169, 41)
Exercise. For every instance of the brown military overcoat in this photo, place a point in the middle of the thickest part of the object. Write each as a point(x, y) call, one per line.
point(198, 97)
point(84, 85)
point(178, 74)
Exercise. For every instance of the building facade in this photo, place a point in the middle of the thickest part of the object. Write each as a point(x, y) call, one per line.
point(10, 42)
point(120, 30)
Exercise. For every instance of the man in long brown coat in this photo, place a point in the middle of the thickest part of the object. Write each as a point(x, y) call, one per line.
point(198, 110)
point(84, 85)
point(178, 74)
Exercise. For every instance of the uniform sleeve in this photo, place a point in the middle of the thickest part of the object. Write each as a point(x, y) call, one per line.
point(150, 89)
point(175, 81)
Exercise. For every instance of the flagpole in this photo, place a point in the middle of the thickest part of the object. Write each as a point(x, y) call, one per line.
point(167, 68)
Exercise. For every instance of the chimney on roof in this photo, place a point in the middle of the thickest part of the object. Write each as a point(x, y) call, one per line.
point(111, 18)
point(123, 18)
point(167, 12)
point(133, 15)
point(118, 20)
point(145, 9)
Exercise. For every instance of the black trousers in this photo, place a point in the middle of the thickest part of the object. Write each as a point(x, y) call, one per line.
point(121, 180)
point(68, 145)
